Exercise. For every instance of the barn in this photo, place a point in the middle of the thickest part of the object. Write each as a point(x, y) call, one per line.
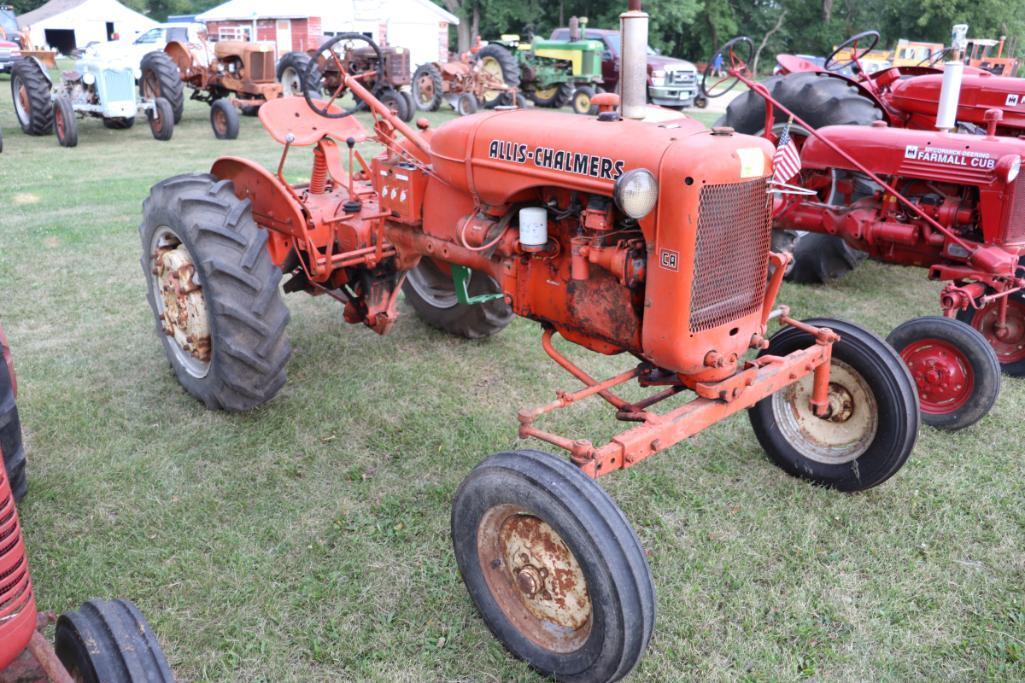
point(417, 25)
point(69, 24)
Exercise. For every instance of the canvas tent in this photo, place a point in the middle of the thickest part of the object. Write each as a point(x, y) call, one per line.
point(68, 24)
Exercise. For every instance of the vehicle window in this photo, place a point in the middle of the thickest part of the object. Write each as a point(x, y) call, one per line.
point(177, 34)
point(150, 36)
point(614, 42)
point(9, 23)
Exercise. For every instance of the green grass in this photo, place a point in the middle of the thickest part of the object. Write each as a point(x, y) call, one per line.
point(308, 540)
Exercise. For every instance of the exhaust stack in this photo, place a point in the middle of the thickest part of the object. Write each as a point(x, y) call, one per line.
point(633, 80)
point(953, 70)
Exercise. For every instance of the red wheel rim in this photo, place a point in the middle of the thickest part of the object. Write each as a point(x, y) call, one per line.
point(58, 119)
point(1009, 347)
point(220, 122)
point(942, 373)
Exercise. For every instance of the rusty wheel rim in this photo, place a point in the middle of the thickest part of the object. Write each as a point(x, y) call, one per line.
point(150, 85)
point(58, 122)
point(180, 302)
point(220, 122)
point(849, 429)
point(534, 578)
point(546, 93)
point(22, 105)
point(425, 90)
point(495, 75)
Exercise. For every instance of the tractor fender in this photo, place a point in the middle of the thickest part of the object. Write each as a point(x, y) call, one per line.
point(274, 207)
point(181, 55)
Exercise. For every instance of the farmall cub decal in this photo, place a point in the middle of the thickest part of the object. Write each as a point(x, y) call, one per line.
point(592, 165)
point(950, 157)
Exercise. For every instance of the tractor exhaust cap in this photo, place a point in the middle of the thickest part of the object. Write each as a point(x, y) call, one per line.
point(633, 82)
point(953, 70)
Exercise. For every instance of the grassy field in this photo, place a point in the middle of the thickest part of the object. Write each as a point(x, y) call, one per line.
point(308, 540)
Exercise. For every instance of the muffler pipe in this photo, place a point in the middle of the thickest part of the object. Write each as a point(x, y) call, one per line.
point(953, 70)
point(633, 77)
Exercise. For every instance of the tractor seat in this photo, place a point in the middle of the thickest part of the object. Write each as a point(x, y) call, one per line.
point(286, 116)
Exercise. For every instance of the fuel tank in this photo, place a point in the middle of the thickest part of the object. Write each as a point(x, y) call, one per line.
point(919, 96)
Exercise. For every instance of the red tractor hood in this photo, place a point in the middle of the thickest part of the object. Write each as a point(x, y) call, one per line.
point(981, 91)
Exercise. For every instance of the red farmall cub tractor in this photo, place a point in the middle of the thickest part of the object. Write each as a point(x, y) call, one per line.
point(905, 193)
point(621, 236)
point(102, 642)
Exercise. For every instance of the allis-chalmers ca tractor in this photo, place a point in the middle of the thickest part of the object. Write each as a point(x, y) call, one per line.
point(102, 642)
point(229, 75)
point(948, 201)
point(619, 235)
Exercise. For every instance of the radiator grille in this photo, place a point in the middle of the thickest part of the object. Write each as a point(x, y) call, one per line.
point(1014, 232)
point(15, 585)
point(263, 67)
point(731, 254)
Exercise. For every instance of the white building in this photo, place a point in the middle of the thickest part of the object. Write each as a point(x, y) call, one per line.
point(68, 24)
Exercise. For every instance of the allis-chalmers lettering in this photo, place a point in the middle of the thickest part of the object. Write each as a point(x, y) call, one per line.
point(557, 160)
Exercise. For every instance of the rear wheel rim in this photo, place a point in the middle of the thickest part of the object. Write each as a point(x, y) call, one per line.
point(582, 101)
point(180, 302)
point(22, 104)
point(849, 429)
point(425, 90)
point(150, 84)
point(491, 67)
point(291, 81)
point(546, 93)
point(1010, 348)
point(943, 374)
point(534, 578)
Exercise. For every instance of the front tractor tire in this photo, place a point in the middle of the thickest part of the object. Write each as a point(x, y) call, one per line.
point(224, 119)
point(214, 292)
point(161, 119)
point(554, 568)
point(821, 100)
point(11, 441)
point(430, 291)
point(873, 418)
point(30, 90)
point(954, 368)
point(161, 78)
point(65, 125)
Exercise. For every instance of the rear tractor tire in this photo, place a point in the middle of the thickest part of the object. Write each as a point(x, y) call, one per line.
point(500, 63)
point(821, 100)
point(557, 96)
point(161, 119)
point(11, 442)
point(873, 421)
point(65, 125)
point(224, 119)
point(553, 567)
point(397, 103)
point(161, 78)
point(30, 90)
point(431, 293)
point(110, 642)
point(954, 368)
point(214, 292)
point(428, 87)
point(291, 73)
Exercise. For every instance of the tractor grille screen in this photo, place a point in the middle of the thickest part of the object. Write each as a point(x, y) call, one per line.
point(1015, 231)
point(731, 254)
point(120, 85)
point(15, 586)
point(263, 66)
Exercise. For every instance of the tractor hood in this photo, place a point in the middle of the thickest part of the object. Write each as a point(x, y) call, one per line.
point(497, 155)
point(979, 92)
point(926, 154)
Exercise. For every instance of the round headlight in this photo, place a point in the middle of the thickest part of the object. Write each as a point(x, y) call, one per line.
point(636, 192)
point(88, 78)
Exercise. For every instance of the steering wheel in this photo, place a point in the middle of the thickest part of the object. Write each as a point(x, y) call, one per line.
point(936, 58)
point(735, 60)
point(326, 59)
point(832, 65)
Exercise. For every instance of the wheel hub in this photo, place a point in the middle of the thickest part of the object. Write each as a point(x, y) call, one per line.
point(942, 374)
point(841, 404)
point(1008, 340)
point(183, 313)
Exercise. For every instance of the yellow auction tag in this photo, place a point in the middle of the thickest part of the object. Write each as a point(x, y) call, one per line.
point(752, 162)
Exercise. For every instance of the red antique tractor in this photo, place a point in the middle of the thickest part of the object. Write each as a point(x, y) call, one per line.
point(947, 201)
point(619, 235)
point(102, 642)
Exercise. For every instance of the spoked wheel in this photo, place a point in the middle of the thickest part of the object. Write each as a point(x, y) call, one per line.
point(553, 567)
point(859, 45)
point(214, 292)
point(430, 291)
point(872, 423)
point(735, 54)
point(1008, 342)
point(954, 368)
point(331, 58)
point(110, 642)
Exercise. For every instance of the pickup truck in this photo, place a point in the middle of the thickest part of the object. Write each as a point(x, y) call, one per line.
point(134, 49)
point(671, 82)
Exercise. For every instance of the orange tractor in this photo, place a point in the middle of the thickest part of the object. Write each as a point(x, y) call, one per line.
point(648, 240)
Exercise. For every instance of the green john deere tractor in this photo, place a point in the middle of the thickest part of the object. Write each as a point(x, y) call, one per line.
point(554, 73)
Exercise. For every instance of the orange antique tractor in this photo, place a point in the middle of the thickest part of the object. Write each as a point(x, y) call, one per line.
point(617, 234)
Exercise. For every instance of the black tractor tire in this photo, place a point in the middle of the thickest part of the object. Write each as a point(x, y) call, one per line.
point(558, 99)
point(11, 442)
point(410, 103)
point(955, 370)
point(65, 125)
point(119, 122)
point(1, 141)
point(35, 114)
point(568, 518)
point(510, 71)
point(432, 295)
point(250, 110)
point(161, 78)
point(399, 105)
point(466, 104)
point(246, 318)
point(161, 119)
point(866, 373)
point(821, 100)
point(428, 99)
point(581, 101)
point(291, 74)
point(110, 642)
point(224, 119)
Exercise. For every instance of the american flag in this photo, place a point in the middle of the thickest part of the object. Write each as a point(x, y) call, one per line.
point(786, 160)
